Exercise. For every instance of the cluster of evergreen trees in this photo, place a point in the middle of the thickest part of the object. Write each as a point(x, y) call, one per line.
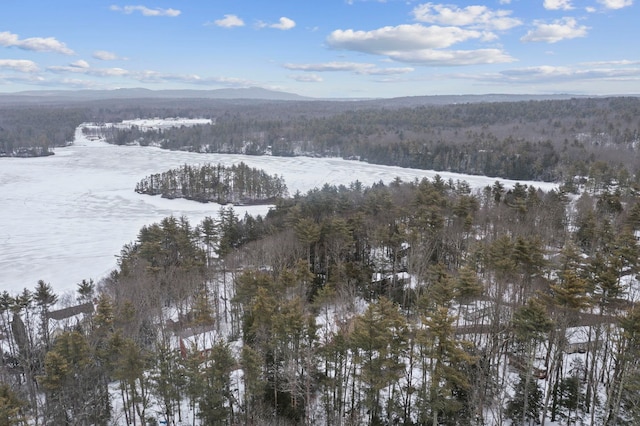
point(217, 183)
point(408, 303)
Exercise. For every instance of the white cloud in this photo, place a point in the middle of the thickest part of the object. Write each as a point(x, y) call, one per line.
point(328, 66)
point(389, 71)
point(471, 16)
point(452, 57)
point(616, 4)
point(104, 55)
point(21, 65)
point(79, 64)
point(30, 78)
point(229, 21)
point(419, 44)
point(283, 24)
point(623, 62)
point(36, 44)
point(547, 73)
point(543, 71)
point(307, 78)
point(400, 38)
point(99, 72)
point(561, 29)
point(147, 76)
point(557, 4)
point(145, 11)
point(356, 67)
point(560, 79)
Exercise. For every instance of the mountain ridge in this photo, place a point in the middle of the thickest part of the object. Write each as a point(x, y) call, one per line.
point(261, 94)
point(142, 93)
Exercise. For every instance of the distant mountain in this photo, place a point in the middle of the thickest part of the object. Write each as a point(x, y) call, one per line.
point(54, 96)
point(414, 101)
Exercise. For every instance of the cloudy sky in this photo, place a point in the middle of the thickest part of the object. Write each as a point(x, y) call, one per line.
point(324, 48)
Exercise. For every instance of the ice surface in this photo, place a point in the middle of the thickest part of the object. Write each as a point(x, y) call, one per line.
point(65, 218)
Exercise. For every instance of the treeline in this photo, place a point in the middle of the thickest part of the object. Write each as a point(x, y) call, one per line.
point(550, 140)
point(238, 184)
point(33, 131)
point(533, 140)
point(409, 303)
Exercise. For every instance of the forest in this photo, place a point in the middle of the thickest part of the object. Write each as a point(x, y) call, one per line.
point(553, 140)
point(238, 184)
point(413, 303)
point(400, 303)
point(27, 131)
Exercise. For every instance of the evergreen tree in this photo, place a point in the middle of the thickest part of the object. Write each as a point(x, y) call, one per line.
point(379, 340)
point(525, 406)
point(11, 407)
point(86, 291)
point(571, 398)
point(530, 323)
point(167, 381)
point(44, 299)
point(74, 396)
point(445, 367)
point(217, 400)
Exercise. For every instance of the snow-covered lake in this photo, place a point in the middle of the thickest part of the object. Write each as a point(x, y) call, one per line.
point(64, 218)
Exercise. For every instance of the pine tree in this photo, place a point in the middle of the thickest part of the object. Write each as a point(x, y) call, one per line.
point(445, 366)
point(86, 291)
point(129, 370)
point(167, 381)
point(308, 233)
point(467, 286)
point(626, 367)
point(217, 400)
point(254, 384)
point(379, 339)
point(569, 298)
point(530, 323)
point(571, 397)
point(11, 407)
point(526, 404)
point(44, 298)
point(73, 393)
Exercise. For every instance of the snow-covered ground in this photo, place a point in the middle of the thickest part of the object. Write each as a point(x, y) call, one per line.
point(161, 123)
point(65, 218)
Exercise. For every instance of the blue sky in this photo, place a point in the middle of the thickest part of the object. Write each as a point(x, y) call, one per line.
point(325, 49)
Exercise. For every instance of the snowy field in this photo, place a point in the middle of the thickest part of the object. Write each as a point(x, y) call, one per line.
point(64, 218)
point(160, 123)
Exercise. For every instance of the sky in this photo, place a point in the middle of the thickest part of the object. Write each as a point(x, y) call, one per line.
point(324, 48)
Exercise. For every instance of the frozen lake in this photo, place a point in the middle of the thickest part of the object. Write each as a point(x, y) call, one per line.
point(64, 218)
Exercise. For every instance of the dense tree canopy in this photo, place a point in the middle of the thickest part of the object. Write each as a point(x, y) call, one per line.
point(223, 185)
point(562, 140)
